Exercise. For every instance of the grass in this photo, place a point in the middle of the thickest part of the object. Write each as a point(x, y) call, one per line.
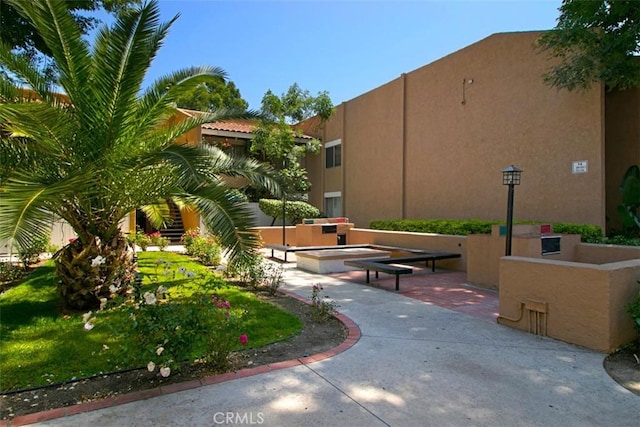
point(41, 346)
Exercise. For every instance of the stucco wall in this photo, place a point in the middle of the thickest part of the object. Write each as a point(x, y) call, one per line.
point(373, 155)
point(326, 180)
point(585, 302)
point(273, 235)
point(432, 143)
point(604, 254)
point(423, 241)
point(485, 251)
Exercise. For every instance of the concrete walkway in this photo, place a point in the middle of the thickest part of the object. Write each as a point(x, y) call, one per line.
point(415, 364)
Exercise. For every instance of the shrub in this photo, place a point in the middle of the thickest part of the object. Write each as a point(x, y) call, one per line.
point(188, 236)
point(588, 233)
point(255, 272)
point(10, 272)
point(30, 254)
point(205, 248)
point(250, 270)
point(322, 307)
point(629, 209)
point(170, 332)
point(634, 310)
point(158, 240)
point(621, 240)
point(295, 211)
point(438, 226)
point(140, 239)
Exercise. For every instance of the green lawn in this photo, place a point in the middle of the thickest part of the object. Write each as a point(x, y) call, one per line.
point(39, 346)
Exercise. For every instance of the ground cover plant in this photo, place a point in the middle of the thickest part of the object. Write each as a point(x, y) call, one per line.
point(40, 345)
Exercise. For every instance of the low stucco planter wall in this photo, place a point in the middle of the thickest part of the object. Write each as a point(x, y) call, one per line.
point(576, 302)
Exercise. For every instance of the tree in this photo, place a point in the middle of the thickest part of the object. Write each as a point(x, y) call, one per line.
point(277, 140)
point(18, 33)
point(595, 41)
point(213, 96)
point(105, 148)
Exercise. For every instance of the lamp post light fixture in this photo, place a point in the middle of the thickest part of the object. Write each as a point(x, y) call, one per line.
point(510, 177)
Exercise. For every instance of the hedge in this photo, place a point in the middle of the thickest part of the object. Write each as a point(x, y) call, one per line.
point(294, 210)
point(588, 233)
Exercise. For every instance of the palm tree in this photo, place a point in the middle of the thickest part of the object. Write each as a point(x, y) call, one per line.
point(105, 148)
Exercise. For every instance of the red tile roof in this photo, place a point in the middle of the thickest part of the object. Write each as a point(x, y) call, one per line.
point(230, 125)
point(243, 126)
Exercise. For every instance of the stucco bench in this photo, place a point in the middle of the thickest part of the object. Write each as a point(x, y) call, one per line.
point(286, 249)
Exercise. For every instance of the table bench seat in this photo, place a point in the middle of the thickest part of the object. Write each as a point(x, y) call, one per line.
point(383, 264)
point(380, 267)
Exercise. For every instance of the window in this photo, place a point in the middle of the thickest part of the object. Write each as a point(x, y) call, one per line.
point(333, 154)
point(333, 204)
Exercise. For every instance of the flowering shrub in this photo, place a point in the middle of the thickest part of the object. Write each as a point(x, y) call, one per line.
point(205, 248)
point(322, 306)
point(170, 330)
point(158, 240)
point(140, 239)
point(145, 240)
point(188, 236)
point(254, 271)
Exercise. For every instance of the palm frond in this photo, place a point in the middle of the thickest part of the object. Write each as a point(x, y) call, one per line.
point(29, 207)
point(63, 37)
point(228, 218)
point(158, 213)
point(46, 127)
point(122, 57)
point(257, 173)
point(23, 69)
point(157, 102)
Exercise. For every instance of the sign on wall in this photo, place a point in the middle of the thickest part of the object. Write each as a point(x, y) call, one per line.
point(580, 166)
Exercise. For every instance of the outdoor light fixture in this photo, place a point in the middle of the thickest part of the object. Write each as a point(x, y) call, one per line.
point(510, 177)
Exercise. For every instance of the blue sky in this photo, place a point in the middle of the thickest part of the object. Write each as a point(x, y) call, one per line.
point(344, 47)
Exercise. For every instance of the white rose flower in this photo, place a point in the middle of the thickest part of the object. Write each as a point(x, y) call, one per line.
point(151, 366)
point(150, 298)
point(99, 260)
point(165, 372)
point(88, 326)
point(159, 350)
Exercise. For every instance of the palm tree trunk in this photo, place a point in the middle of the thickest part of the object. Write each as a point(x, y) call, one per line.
point(84, 280)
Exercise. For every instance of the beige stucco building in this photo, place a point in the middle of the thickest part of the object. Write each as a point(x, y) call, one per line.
point(432, 143)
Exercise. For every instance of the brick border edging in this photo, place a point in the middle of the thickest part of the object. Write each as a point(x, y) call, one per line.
point(352, 337)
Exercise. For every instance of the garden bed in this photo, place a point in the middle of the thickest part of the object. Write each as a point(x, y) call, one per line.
point(314, 338)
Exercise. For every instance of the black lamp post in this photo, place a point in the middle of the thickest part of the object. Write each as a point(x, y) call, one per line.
point(510, 177)
point(284, 207)
point(284, 213)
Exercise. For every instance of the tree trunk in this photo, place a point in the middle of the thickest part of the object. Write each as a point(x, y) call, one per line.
point(81, 284)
